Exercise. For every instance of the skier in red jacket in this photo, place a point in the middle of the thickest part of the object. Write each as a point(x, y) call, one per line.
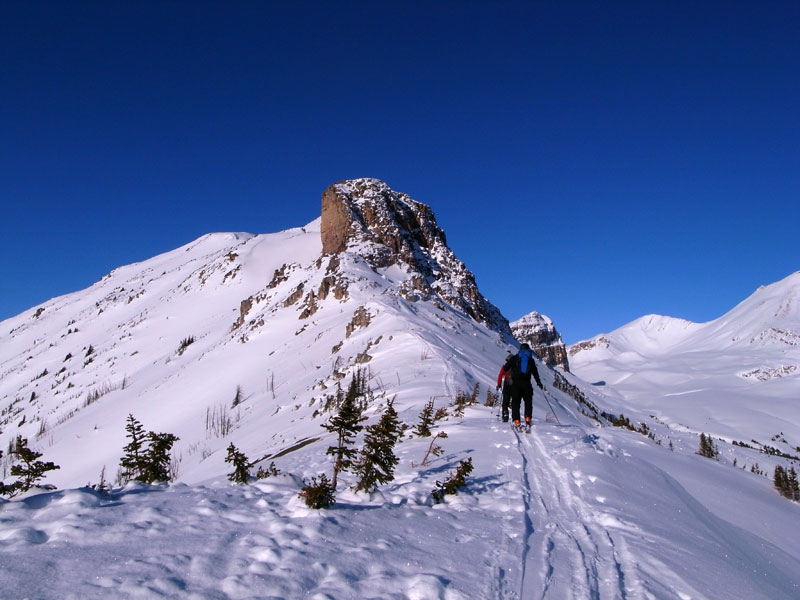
point(504, 381)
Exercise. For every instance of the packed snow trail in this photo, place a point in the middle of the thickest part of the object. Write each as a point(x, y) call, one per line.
point(568, 555)
point(577, 542)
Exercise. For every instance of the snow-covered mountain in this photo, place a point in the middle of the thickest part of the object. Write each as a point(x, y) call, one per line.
point(279, 316)
point(541, 334)
point(737, 376)
point(240, 338)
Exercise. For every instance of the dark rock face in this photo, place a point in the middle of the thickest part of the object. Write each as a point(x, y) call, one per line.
point(540, 333)
point(387, 228)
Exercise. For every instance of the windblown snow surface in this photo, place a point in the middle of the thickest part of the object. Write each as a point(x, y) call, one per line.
point(576, 509)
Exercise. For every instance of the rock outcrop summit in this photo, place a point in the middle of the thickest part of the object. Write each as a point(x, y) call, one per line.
point(386, 228)
point(538, 331)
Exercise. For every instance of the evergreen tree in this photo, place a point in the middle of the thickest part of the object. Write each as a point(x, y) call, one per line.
point(133, 462)
point(30, 470)
point(157, 458)
point(376, 461)
point(780, 480)
point(345, 425)
point(454, 482)
point(318, 494)
point(146, 457)
point(792, 484)
point(239, 461)
point(423, 427)
point(237, 399)
point(707, 447)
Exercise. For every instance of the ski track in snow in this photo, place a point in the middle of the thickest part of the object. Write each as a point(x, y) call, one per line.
point(569, 549)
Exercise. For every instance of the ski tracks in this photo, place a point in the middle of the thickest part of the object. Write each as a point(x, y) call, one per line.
point(567, 553)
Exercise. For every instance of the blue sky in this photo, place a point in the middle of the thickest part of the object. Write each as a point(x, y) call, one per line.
point(594, 161)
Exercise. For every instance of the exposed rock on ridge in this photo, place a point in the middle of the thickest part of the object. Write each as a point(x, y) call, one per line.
point(389, 228)
point(538, 331)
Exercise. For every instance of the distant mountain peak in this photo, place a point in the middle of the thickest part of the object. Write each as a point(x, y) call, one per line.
point(539, 331)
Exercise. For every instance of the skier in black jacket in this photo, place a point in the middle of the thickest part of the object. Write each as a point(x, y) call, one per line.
point(523, 366)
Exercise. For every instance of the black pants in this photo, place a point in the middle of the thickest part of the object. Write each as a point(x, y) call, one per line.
point(519, 392)
point(506, 398)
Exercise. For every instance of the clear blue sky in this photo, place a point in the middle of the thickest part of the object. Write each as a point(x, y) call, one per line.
point(595, 161)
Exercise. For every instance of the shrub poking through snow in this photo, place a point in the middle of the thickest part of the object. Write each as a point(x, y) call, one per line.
point(270, 471)
point(239, 461)
point(28, 471)
point(454, 482)
point(433, 449)
point(376, 460)
point(185, 343)
point(319, 493)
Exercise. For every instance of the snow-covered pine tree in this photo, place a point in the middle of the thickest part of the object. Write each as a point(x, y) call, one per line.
point(376, 460)
point(239, 461)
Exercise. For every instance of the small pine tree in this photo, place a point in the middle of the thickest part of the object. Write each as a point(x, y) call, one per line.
point(781, 481)
point(239, 461)
point(237, 399)
point(345, 425)
point(454, 482)
point(793, 485)
point(133, 461)
point(786, 483)
point(473, 397)
point(376, 461)
point(157, 457)
point(707, 447)
point(423, 427)
point(319, 493)
point(30, 469)
point(270, 471)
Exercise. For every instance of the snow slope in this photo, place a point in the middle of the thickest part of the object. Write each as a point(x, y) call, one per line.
point(736, 377)
point(578, 509)
point(573, 511)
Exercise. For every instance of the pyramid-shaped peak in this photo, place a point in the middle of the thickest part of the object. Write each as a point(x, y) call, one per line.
point(540, 333)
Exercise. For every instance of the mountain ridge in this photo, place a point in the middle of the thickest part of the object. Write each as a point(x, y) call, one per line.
point(247, 339)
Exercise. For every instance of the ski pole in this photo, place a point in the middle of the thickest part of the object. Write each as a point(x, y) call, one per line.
point(550, 405)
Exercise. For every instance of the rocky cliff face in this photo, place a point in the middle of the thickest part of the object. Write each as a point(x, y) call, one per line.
point(388, 228)
point(538, 331)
